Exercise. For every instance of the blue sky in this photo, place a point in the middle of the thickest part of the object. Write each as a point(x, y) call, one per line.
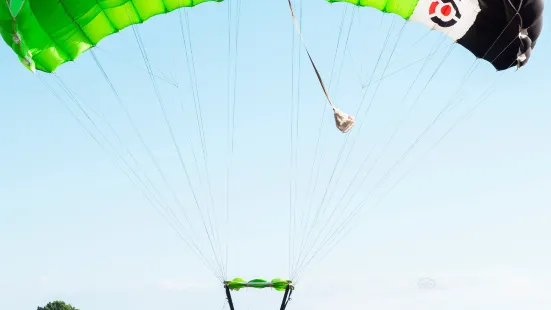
point(472, 214)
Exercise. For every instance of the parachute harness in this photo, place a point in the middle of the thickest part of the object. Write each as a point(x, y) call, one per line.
point(343, 121)
point(278, 284)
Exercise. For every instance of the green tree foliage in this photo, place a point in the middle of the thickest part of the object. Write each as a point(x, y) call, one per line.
point(57, 305)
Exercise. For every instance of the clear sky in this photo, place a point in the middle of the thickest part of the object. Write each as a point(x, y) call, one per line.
point(473, 215)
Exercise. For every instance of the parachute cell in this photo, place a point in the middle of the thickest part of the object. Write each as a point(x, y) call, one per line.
point(47, 33)
point(500, 32)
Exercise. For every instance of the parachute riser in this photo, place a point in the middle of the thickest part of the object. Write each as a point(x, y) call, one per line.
point(228, 296)
point(286, 297)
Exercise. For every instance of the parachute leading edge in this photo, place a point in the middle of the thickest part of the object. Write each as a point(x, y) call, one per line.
point(500, 32)
point(48, 33)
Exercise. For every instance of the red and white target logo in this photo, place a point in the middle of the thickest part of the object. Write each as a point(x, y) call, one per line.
point(444, 13)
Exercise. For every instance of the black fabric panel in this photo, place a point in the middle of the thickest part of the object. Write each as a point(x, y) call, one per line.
point(495, 34)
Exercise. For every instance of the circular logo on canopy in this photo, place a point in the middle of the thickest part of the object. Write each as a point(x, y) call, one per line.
point(444, 13)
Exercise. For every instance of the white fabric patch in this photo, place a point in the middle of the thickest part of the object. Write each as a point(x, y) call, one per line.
point(452, 17)
point(343, 121)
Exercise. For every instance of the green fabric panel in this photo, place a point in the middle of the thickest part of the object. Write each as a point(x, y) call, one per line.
point(403, 8)
point(280, 285)
point(52, 32)
point(15, 6)
point(277, 284)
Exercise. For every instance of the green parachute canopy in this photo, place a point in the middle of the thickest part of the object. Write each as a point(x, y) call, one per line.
point(48, 33)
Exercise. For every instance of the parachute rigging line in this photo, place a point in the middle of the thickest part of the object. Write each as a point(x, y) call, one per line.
point(388, 142)
point(312, 183)
point(161, 76)
point(411, 147)
point(321, 207)
point(231, 107)
point(446, 107)
point(191, 243)
point(310, 199)
point(186, 38)
point(177, 147)
point(211, 235)
point(343, 121)
point(464, 117)
point(353, 15)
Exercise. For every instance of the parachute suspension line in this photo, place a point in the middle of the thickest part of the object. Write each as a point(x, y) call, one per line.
point(297, 128)
point(388, 142)
point(358, 68)
point(198, 110)
point(346, 138)
point(292, 146)
point(331, 235)
point(138, 133)
point(470, 112)
point(386, 40)
point(161, 76)
point(344, 122)
point(182, 209)
point(339, 157)
point(294, 142)
point(120, 102)
point(194, 94)
point(354, 10)
point(194, 91)
point(186, 33)
point(430, 55)
point(470, 71)
point(464, 117)
point(177, 147)
point(111, 85)
point(311, 189)
point(461, 119)
point(145, 192)
point(102, 117)
point(359, 108)
point(230, 147)
point(442, 137)
point(341, 28)
point(354, 140)
point(402, 53)
point(291, 153)
point(310, 198)
point(369, 154)
point(231, 105)
point(435, 120)
point(381, 181)
point(348, 155)
point(382, 74)
point(367, 157)
point(128, 116)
